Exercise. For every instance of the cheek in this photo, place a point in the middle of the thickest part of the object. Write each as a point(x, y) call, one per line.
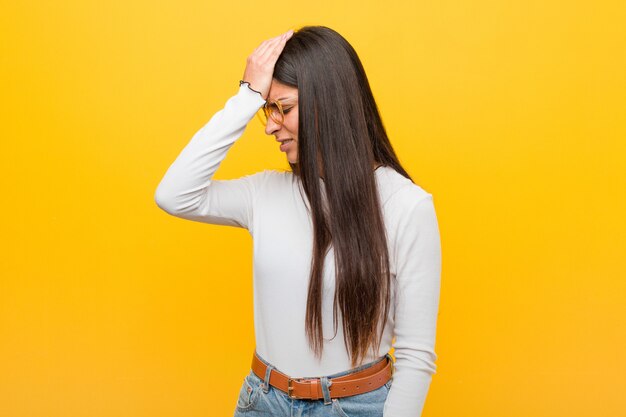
point(293, 128)
point(294, 125)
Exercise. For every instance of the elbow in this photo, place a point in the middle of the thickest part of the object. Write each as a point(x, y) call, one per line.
point(164, 200)
point(176, 202)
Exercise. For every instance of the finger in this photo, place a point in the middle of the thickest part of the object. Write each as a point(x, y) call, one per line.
point(262, 49)
point(265, 43)
point(279, 42)
point(267, 54)
point(262, 46)
point(273, 40)
point(277, 49)
point(267, 51)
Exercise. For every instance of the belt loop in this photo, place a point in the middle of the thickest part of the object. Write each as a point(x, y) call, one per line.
point(266, 380)
point(325, 390)
point(390, 358)
point(313, 391)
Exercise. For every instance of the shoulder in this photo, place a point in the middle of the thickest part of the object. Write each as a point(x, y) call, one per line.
point(268, 175)
point(277, 176)
point(409, 208)
point(269, 179)
point(400, 191)
point(412, 196)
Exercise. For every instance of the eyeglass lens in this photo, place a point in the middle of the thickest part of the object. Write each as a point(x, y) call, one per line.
point(274, 110)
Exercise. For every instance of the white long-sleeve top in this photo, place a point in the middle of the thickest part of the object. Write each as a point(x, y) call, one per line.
point(269, 205)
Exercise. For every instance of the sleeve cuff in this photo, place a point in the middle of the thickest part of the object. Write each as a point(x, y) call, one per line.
point(241, 82)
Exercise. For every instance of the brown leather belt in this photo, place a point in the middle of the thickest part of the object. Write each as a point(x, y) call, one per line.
point(354, 383)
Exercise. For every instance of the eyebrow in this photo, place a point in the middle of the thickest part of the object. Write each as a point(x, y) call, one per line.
point(284, 98)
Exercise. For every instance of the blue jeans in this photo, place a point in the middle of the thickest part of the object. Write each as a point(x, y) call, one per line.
point(257, 398)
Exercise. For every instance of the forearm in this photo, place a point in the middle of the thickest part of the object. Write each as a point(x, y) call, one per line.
point(183, 187)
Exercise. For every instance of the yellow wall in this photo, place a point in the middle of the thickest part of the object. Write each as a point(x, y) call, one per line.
point(510, 113)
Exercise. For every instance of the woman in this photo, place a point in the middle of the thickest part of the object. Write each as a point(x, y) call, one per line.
point(346, 246)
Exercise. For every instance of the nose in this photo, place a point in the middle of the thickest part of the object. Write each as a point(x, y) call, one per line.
point(271, 127)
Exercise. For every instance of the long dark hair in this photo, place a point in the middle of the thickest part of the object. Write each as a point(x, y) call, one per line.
point(340, 131)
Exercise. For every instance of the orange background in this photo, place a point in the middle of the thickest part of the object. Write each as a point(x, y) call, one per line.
point(512, 114)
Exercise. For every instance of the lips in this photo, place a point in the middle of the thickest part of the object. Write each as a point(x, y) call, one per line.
point(285, 144)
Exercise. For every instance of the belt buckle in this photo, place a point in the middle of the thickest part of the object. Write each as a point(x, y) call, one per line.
point(290, 387)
